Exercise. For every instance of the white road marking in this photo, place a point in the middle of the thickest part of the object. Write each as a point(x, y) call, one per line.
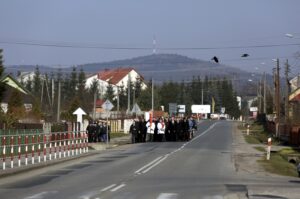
point(147, 165)
point(167, 196)
point(40, 195)
point(118, 187)
point(149, 168)
point(108, 187)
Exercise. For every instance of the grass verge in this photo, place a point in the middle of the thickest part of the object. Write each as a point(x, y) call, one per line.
point(260, 148)
point(116, 135)
point(279, 164)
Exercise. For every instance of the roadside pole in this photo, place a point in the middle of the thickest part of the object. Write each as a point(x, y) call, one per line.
point(248, 129)
point(107, 106)
point(269, 148)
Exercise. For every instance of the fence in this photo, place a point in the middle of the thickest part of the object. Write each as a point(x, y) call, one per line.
point(20, 148)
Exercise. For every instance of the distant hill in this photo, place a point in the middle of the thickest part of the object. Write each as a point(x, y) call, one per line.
point(160, 67)
point(174, 67)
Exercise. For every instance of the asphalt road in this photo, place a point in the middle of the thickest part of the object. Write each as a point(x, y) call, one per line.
point(201, 168)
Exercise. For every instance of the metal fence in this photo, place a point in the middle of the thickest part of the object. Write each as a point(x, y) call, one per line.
point(18, 148)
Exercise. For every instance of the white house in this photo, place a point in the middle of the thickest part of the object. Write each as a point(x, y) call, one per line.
point(116, 77)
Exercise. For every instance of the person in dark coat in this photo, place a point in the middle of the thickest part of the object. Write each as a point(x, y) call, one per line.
point(133, 131)
point(186, 129)
point(171, 129)
point(143, 129)
point(155, 135)
point(89, 131)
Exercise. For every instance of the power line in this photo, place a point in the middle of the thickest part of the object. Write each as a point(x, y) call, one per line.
point(64, 45)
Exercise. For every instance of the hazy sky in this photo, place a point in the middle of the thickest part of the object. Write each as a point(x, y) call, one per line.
point(133, 23)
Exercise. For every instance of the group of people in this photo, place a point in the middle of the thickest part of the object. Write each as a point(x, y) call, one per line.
point(162, 129)
point(97, 132)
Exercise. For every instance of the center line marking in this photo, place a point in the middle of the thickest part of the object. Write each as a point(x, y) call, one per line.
point(149, 164)
point(118, 187)
point(108, 187)
point(145, 171)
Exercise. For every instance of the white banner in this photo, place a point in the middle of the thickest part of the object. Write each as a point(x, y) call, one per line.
point(200, 108)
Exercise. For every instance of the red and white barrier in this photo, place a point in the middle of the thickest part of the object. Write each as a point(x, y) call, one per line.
point(69, 143)
point(55, 145)
point(45, 148)
point(32, 149)
point(12, 152)
point(73, 143)
point(50, 148)
point(59, 145)
point(26, 150)
point(19, 151)
point(76, 143)
point(4, 152)
point(41, 146)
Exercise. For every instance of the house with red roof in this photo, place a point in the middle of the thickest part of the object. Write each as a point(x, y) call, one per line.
point(121, 76)
point(116, 77)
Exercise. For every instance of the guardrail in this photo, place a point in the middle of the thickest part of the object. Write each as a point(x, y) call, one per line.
point(19, 149)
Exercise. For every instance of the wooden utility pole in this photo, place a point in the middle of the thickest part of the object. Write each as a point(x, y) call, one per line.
point(128, 95)
point(265, 94)
point(277, 98)
point(58, 102)
point(287, 92)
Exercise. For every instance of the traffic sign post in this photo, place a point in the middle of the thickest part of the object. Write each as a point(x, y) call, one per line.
point(79, 112)
point(107, 106)
point(269, 148)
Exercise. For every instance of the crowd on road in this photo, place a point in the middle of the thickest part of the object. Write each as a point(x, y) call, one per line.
point(162, 129)
point(98, 132)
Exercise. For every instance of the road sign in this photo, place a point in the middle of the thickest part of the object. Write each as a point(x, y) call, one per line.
point(181, 108)
point(79, 112)
point(223, 110)
point(136, 108)
point(107, 105)
point(172, 108)
point(253, 109)
point(200, 108)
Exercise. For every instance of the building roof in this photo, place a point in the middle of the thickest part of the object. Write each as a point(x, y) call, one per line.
point(10, 81)
point(10, 86)
point(295, 96)
point(114, 76)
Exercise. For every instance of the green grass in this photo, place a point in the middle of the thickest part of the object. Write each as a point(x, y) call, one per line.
point(260, 148)
point(116, 135)
point(251, 139)
point(279, 165)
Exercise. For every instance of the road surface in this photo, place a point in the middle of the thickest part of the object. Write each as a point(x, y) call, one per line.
point(201, 168)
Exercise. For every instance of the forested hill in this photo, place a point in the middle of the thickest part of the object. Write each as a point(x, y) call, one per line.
point(174, 67)
point(160, 67)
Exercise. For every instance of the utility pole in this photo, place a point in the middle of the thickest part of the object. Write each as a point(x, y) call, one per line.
point(287, 92)
point(277, 98)
point(52, 104)
point(152, 107)
point(118, 101)
point(42, 93)
point(265, 94)
point(259, 97)
point(202, 93)
point(128, 95)
point(94, 106)
point(58, 102)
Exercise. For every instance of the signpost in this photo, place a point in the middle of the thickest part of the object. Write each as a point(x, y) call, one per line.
point(79, 112)
point(107, 106)
point(181, 108)
point(269, 148)
point(172, 109)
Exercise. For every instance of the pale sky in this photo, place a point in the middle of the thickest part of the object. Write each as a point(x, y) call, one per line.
point(218, 24)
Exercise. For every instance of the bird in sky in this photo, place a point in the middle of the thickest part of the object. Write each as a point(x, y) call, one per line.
point(215, 59)
point(245, 55)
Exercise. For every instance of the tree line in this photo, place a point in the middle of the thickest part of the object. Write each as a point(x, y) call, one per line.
point(45, 88)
